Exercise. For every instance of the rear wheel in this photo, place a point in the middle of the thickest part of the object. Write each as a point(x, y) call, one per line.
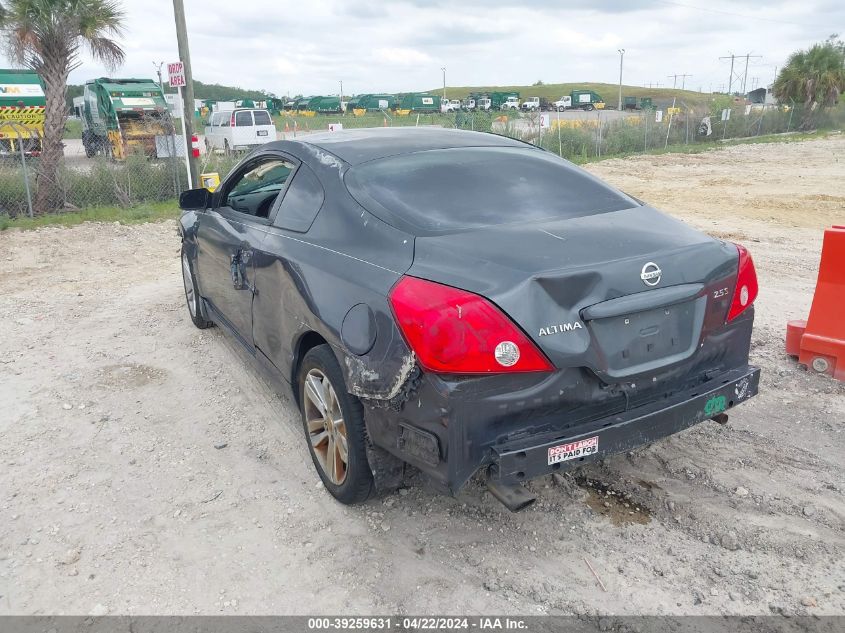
point(334, 427)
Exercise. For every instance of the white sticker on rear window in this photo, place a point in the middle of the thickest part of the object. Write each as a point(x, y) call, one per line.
point(573, 450)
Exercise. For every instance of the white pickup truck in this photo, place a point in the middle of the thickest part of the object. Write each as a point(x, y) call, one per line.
point(512, 103)
point(531, 104)
point(483, 104)
point(451, 106)
point(564, 103)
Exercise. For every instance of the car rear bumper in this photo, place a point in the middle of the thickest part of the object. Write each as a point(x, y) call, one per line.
point(517, 462)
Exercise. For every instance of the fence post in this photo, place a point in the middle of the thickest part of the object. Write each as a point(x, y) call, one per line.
point(19, 135)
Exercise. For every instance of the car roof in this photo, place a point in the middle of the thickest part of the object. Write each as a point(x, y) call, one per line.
point(362, 145)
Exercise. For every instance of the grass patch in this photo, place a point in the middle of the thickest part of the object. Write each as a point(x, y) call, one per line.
point(133, 215)
point(73, 128)
point(699, 148)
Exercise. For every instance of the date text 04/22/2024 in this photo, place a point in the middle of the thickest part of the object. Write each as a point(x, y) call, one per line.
point(420, 623)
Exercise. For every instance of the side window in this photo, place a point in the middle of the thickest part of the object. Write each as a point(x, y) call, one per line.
point(262, 117)
point(255, 190)
point(225, 118)
point(243, 118)
point(301, 203)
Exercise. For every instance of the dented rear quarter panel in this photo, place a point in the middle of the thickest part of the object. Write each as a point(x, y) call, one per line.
point(310, 282)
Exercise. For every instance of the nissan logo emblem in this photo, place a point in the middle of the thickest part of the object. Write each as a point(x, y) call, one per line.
point(651, 274)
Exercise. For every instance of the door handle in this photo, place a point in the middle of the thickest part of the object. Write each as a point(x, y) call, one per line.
point(237, 264)
point(235, 270)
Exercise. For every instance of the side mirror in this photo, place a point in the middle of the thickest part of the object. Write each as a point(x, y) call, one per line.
point(193, 199)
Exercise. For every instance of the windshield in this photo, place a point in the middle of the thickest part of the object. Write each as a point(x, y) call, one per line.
point(473, 187)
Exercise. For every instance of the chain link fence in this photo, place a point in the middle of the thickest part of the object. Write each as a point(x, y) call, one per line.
point(141, 163)
point(147, 163)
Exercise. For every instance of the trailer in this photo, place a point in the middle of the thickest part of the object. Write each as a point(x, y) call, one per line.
point(123, 116)
point(22, 103)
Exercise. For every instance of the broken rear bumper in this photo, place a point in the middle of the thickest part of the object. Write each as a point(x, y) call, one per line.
point(517, 462)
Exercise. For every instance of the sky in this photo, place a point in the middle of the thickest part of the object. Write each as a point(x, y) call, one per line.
point(309, 47)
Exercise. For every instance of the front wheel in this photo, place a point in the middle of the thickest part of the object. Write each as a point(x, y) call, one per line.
point(192, 296)
point(333, 421)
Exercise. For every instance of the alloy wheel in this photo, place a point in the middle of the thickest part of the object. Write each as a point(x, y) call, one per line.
point(325, 425)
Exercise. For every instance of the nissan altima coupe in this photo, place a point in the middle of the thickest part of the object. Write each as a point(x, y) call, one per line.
point(465, 303)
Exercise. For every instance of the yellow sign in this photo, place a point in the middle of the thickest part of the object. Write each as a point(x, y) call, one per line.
point(673, 110)
point(210, 180)
point(29, 116)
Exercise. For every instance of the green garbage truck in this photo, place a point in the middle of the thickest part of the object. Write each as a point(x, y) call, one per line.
point(122, 117)
point(419, 102)
point(22, 104)
point(363, 103)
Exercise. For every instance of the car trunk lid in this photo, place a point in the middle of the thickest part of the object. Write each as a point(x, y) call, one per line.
point(625, 294)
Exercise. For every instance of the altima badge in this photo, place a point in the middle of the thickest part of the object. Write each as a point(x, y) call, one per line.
point(560, 328)
point(651, 274)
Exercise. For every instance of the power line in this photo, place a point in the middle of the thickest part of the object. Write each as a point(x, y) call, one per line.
point(740, 77)
point(675, 79)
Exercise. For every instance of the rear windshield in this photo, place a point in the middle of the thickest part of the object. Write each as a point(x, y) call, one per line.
point(473, 187)
point(243, 119)
point(261, 117)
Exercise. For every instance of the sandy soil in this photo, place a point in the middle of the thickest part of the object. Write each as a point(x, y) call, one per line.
point(147, 469)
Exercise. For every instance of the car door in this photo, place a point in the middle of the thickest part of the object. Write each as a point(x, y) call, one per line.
point(285, 296)
point(230, 234)
point(243, 133)
point(265, 131)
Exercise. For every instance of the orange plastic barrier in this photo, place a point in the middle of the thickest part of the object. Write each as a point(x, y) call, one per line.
point(819, 342)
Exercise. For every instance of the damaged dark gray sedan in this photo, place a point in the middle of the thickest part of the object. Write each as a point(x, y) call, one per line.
point(465, 302)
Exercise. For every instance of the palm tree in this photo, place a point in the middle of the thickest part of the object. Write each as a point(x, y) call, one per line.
point(815, 78)
point(47, 37)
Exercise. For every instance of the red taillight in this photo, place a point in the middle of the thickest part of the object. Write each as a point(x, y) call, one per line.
point(232, 120)
point(453, 331)
point(746, 284)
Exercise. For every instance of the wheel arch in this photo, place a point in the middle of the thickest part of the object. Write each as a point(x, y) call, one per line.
point(306, 342)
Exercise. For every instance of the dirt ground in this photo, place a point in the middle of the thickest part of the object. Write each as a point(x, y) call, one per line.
point(147, 469)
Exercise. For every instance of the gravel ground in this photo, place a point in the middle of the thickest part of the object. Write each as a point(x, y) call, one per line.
point(148, 469)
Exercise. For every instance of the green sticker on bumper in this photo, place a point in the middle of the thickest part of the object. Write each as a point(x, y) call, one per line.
point(715, 405)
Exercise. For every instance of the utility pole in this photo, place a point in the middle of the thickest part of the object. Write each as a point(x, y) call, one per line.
point(621, 58)
point(675, 80)
point(443, 68)
point(740, 78)
point(158, 72)
point(341, 97)
point(188, 92)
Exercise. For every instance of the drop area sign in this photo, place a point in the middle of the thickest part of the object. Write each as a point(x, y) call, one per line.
point(176, 72)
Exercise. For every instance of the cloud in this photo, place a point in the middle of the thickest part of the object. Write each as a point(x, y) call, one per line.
point(400, 56)
point(400, 45)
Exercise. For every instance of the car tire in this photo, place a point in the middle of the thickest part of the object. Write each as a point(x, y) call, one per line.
point(192, 295)
point(322, 399)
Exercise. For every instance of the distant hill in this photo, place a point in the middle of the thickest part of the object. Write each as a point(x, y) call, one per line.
point(201, 91)
point(609, 92)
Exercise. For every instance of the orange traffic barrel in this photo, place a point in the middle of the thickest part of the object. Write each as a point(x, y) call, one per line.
point(819, 342)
